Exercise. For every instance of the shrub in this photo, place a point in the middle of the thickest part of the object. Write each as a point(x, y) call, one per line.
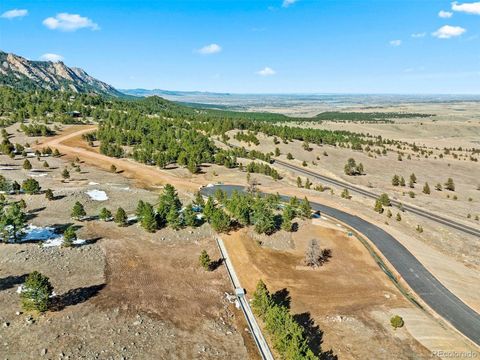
point(396, 321)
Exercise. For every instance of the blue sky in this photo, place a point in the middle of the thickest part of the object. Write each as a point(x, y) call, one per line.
point(256, 46)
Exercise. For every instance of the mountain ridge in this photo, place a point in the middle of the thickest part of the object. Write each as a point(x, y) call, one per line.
point(19, 72)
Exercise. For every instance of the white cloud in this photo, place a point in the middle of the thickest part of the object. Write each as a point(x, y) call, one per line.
point(69, 22)
point(419, 35)
point(266, 71)
point(445, 14)
point(447, 32)
point(14, 13)
point(396, 42)
point(287, 3)
point(469, 8)
point(210, 49)
point(51, 57)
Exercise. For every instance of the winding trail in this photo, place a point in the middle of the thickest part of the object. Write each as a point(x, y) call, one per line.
point(420, 280)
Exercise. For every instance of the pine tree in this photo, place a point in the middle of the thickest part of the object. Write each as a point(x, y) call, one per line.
point(449, 185)
point(261, 300)
point(173, 218)
point(31, 186)
point(299, 182)
point(413, 178)
point(121, 217)
point(27, 165)
point(148, 220)
point(402, 181)
point(46, 165)
point(65, 174)
point(287, 216)
point(199, 200)
point(113, 168)
point(384, 199)
point(209, 208)
point(13, 221)
point(49, 195)
point(220, 221)
point(78, 211)
point(189, 216)
point(205, 261)
point(426, 188)
point(36, 292)
point(378, 206)
point(69, 236)
point(395, 180)
point(399, 217)
point(438, 187)
point(305, 209)
point(105, 214)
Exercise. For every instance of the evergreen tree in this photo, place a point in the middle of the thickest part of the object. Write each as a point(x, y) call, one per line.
point(36, 292)
point(209, 208)
point(378, 206)
point(65, 174)
point(413, 178)
point(189, 216)
point(49, 195)
point(121, 217)
point(263, 218)
point(105, 214)
point(205, 261)
point(402, 181)
point(78, 211)
point(261, 301)
point(168, 199)
point(173, 218)
point(148, 219)
point(287, 217)
point(220, 221)
point(395, 180)
point(305, 209)
point(31, 186)
point(384, 200)
point(450, 185)
point(426, 188)
point(199, 200)
point(13, 221)
point(27, 165)
point(399, 217)
point(69, 236)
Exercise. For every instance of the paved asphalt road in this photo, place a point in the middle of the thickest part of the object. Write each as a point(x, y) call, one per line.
point(425, 285)
point(421, 212)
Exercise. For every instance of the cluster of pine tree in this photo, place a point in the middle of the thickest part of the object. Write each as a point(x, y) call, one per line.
point(287, 336)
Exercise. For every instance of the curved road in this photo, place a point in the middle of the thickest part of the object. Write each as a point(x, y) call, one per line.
point(421, 212)
point(420, 280)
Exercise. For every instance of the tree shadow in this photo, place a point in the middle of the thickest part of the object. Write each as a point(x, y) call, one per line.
point(89, 241)
point(314, 336)
point(37, 210)
point(12, 280)
point(282, 298)
point(59, 197)
point(326, 256)
point(214, 265)
point(60, 228)
point(75, 297)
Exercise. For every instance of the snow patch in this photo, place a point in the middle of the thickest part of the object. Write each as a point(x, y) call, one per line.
point(93, 183)
point(97, 195)
point(38, 175)
point(46, 234)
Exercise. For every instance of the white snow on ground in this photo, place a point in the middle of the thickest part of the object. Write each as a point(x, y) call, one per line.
point(37, 175)
point(97, 195)
point(22, 286)
point(93, 183)
point(7, 168)
point(46, 234)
